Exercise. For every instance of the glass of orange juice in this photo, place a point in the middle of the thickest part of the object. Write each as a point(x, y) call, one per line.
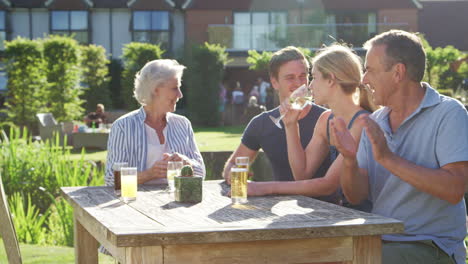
point(128, 181)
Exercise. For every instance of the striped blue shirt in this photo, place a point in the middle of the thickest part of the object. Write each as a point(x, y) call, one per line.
point(128, 143)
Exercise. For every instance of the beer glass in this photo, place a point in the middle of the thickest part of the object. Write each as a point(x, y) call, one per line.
point(239, 185)
point(173, 169)
point(242, 162)
point(116, 169)
point(129, 183)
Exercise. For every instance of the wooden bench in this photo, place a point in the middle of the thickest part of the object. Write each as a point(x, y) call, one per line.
point(7, 229)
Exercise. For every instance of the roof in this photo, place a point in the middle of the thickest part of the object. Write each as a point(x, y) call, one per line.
point(27, 3)
point(149, 4)
point(370, 4)
point(290, 4)
point(110, 3)
point(442, 32)
point(220, 4)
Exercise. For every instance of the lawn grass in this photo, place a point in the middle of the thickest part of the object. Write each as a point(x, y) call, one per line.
point(208, 139)
point(35, 254)
point(218, 138)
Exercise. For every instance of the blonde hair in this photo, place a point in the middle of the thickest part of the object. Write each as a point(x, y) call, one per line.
point(154, 74)
point(342, 63)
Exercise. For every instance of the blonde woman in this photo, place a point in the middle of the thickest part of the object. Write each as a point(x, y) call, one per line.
point(336, 73)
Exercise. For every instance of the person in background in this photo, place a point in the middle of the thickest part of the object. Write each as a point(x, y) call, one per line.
point(336, 82)
point(252, 109)
point(263, 90)
point(412, 159)
point(222, 101)
point(288, 69)
point(93, 119)
point(151, 136)
point(254, 92)
point(238, 100)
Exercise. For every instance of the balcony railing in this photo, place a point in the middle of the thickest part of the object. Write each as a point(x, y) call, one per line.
point(312, 36)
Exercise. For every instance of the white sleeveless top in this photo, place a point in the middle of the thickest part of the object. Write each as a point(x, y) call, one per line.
point(155, 148)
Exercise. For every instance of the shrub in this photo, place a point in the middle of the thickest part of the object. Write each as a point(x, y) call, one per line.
point(447, 92)
point(115, 83)
point(26, 81)
point(95, 77)
point(135, 56)
point(63, 74)
point(29, 223)
point(203, 77)
point(39, 169)
point(440, 67)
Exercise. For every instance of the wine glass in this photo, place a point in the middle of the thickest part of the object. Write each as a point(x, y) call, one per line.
point(298, 99)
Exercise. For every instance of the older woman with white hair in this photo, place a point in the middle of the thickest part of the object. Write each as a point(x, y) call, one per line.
point(151, 136)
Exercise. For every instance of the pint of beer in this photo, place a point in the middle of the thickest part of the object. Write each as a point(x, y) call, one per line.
point(116, 168)
point(239, 185)
point(242, 162)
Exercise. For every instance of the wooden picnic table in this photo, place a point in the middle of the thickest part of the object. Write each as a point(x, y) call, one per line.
point(270, 229)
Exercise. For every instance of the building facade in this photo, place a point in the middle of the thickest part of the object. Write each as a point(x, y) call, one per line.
point(238, 25)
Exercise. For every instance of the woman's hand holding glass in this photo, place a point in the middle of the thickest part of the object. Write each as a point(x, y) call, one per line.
point(298, 99)
point(290, 114)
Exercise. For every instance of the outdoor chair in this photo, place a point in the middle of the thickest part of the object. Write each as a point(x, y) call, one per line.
point(7, 229)
point(48, 125)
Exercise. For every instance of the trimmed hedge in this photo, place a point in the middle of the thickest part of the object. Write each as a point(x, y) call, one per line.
point(135, 56)
point(27, 82)
point(204, 74)
point(95, 77)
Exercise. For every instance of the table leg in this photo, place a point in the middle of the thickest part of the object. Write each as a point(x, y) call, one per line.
point(144, 255)
point(86, 246)
point(366, 250)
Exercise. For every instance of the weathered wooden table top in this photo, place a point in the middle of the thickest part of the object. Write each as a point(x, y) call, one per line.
point(156, 219)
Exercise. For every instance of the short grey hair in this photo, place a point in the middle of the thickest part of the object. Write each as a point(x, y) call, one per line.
point(154, 74)
point(401, 47)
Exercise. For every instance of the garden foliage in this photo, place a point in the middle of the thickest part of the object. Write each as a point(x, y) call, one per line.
point(34, 172)
point(204, 74)
point(135, 56)
point(94, 77)
point(115, 83)
point(445, 69)
point(63, 74)
point(27, 83)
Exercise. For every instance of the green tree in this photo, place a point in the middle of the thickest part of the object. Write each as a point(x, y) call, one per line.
point(135, 56)
point(115, 83)
point(203, 77)
point(442, 71)
point(95, 76)
point(26, 81)
point(63, 74)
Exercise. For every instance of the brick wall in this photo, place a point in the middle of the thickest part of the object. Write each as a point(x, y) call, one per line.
point(409, 16)
point(197, 22)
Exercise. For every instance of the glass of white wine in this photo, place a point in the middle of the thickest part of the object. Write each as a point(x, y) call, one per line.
point(298, 99)
point(173, 169)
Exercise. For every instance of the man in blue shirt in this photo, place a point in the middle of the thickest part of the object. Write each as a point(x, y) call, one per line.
point(412, 160)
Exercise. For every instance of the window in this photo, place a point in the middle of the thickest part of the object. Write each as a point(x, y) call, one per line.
point(258, 30)
point(2, 29)
point(151, 27)
point(71, 23)
point(353, 27)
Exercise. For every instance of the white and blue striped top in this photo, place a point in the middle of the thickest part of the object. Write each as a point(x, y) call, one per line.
point(127, 142)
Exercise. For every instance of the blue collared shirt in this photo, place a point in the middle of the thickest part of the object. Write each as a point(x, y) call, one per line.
point(434, 135)
point(128, 143)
